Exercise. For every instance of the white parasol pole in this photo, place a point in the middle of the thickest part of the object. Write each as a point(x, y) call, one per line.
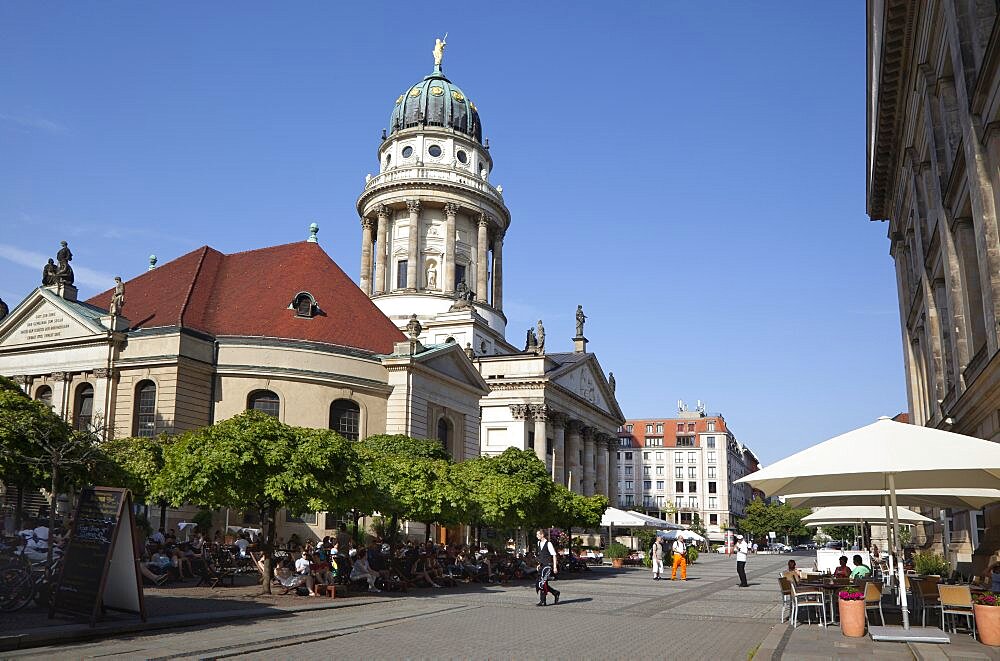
point(899, 551)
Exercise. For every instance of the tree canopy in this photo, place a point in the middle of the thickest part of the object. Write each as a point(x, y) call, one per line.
point(507, 490)
point(760, 519)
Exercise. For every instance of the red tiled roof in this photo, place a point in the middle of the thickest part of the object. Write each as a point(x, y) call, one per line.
point(248, 293)
point(670, 431)
point(902, 417)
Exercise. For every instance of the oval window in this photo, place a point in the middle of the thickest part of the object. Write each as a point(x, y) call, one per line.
point(434, 151)
point(462, 156)
point(407, 152)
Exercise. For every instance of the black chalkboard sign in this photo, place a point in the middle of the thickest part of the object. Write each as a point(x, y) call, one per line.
point(100, 568)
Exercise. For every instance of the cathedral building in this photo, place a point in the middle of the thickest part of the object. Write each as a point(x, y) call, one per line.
point(418, 347)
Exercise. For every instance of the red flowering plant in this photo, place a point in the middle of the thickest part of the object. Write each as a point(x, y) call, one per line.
point(986, 598)
point(851, 595)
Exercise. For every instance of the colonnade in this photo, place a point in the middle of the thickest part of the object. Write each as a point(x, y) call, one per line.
point(375, 252)
point(581, 456)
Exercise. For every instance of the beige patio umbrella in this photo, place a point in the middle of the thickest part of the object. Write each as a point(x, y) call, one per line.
point(971, 498)
point(857, 513)
point(885, 456)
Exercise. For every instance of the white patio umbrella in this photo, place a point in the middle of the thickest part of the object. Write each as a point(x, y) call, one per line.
point(652, 521)
point(622, 519)
point(686, 535)
point(858, 513)
point(971, 498)
point(885, 456)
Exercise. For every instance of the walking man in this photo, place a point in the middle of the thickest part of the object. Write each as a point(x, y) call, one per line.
point(548, 567)
point(657, 554)
point(679, 548)
point(742, 548)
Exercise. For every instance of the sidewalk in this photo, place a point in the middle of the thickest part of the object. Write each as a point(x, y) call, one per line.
point(168, 607)
point(814, 643)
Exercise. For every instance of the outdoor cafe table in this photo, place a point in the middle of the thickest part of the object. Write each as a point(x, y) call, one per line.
point(830, 591)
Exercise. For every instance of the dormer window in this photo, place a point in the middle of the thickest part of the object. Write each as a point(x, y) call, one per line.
point(304, 305)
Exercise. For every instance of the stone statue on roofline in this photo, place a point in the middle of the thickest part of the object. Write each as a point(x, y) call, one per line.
point(117, 298)
point(49, 273)
point(64, 272)
point(581, 319)
point(414, 328)
point(531, 342)
point(541, 338)
point(611, 381)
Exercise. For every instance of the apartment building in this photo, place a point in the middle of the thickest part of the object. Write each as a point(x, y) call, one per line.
point(684, 466)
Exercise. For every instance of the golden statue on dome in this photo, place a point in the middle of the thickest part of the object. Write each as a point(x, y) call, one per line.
point(439, 45)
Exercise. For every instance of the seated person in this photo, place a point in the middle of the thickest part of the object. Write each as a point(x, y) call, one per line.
point(792, 574)
point(361, 570)
point(860, 570)
point(289, 579)
point(843, 571)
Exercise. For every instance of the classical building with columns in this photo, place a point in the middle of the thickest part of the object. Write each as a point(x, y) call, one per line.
point(432, 236)
point(934, 177)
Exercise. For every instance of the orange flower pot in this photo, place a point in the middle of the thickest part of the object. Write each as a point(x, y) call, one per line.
point(988, 623)
point(852, 617)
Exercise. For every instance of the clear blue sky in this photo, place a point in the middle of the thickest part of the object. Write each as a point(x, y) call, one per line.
point(692, 173)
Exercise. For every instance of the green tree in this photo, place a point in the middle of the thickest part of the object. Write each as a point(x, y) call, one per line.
point(839, 533)
point(507, 490)
point(134, 463)
point(697, 526)
point(254, 462)
point(569, 509)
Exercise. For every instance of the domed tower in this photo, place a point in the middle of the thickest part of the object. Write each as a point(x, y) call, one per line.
point(432, 224)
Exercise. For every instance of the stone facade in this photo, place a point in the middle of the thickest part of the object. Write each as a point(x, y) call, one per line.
point(933, 159)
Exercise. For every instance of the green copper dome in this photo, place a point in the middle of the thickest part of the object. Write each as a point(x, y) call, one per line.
point(435, 101)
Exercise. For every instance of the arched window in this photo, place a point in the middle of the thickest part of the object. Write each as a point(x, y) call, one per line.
point(264, 401)
point(444, 434)
point(145, 410)
point(44, 394)
point(345, 418)
point(83, 407)
point(304, 304)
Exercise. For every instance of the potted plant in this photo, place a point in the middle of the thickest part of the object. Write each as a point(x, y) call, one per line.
point(852, 612)
point(692, 554)
point(986, 606)
point(931, 564)
point(617, 552)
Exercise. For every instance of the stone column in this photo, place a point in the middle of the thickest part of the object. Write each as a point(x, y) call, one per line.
point(601, 448)
point(539, 414)
point(366, 256)
point(589, 470)
point(498, 271)
point(60, 394)
point(412, 270)
point(559, 462)
point(613, 471)
point(381, 247)
point(520, 413)
point(102, 419)
point(573, 447)
point(481, 257)
point(448, 272)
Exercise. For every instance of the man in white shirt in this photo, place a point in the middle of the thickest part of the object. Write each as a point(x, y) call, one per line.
point(742, 549)
point(679, 548)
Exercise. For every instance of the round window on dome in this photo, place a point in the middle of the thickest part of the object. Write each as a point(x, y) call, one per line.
point(434, 150)
point(407, 152)
point(462, 156)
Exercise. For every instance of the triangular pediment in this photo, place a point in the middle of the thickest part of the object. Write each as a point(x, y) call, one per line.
point(45, 318)
point(452, 362)
point(585, 378)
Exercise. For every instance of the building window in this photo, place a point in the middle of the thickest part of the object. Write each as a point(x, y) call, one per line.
point(659, 470)
point(685, 441)
point(625, 442)
point(711, 457)
point(44, 395)
point(628, 470)
point(679, 472)
point(679, 487)
point(460, 277)
point(711, 425)
point(649, 429)
point(680, 426)
point(690, 426)
point(645, 470)
point(531, 440)
point(693, 502)
point(401, 267)
point(647, 485)
point(711, 487)
point(264, 401)
point(711, 472)
point(407, 152)
point(628, 485)
point(629, 500)
point(692, 457)
point(659, 485)
point(659, 456)
point(645, 456)
point(628, 428)
point(692, 472)
point(647, 501)
point(692, 487)
point(145, 410)
point(434, 151)
point(654, 441)
point(83, 407)
point(660, 502)
point(678, 457)
point(710, 442)
point(443, 435)
point(679, 503)
point(628, 456)
point(659, 427)
point(713, 519)
point(304, 305)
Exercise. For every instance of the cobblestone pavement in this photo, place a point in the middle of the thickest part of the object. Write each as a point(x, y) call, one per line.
point(602, 614)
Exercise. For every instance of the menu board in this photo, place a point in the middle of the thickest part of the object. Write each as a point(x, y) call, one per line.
point(99, 561)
